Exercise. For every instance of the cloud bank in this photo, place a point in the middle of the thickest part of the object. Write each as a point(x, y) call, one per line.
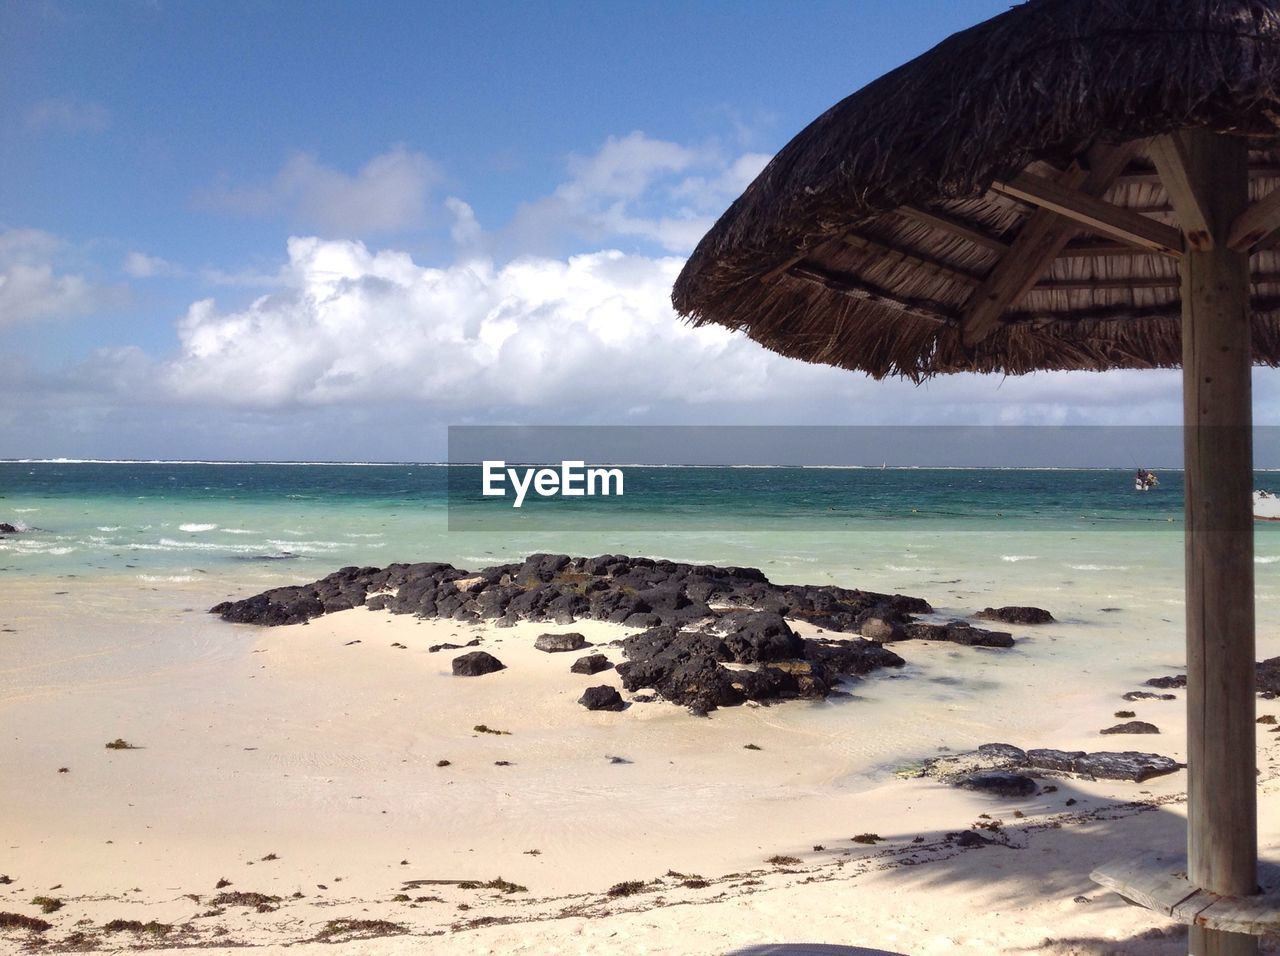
point(388, 194)
point(347, 349)
point(34, 288)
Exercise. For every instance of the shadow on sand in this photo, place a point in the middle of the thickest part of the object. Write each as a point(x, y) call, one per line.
point(810, 949)
point(1046, 856)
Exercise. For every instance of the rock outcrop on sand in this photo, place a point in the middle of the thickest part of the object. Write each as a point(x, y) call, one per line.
point(1014, 614)
point(640, 592)
point(982, 769)
point(889, 628)
point(688, 666)
point(714, 636)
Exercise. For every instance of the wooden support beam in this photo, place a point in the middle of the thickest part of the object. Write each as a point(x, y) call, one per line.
point(1136, 176)
point(1041, 240)
point(1095, 248)
point(1255, 223)
point(1093, 213)
point(1069, 285)
point(866, 292)
point(1169, 153)
point(1222, 798)
point(823, 247)
point(1152, 282)
point(957, 227)
point(918, 261)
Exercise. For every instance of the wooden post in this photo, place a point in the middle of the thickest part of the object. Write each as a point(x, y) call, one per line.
point(1222, 846)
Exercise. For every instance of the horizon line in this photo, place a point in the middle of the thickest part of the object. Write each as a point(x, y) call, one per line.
point(470, 464)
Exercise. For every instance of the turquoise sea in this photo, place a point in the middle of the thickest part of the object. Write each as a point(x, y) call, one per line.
point(886, 528)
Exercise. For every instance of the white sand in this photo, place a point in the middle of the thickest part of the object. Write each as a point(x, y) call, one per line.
point(295, 742)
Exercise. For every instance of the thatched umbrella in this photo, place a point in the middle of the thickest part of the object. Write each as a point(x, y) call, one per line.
point(1075, 184)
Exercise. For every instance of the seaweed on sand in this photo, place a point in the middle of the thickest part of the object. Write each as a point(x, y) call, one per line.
point(351, 929)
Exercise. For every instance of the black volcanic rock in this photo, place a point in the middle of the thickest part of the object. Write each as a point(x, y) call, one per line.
point(476, 664)
point(757, 637)
point(959, 769)
point(591, 664)
point(1268, 677)
point(1124, 765)
point(559, 643)
point(1046, 759)
point(602, 697)
point(686, 643)
point(998, 783)
point(883, 629)
point(1008, 752)
point(853, 658)
point(1266, 673)
point(1014, 614)
point(1132, 727)
point(959, 632)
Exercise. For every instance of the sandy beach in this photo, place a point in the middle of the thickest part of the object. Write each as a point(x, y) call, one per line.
point(304, 766)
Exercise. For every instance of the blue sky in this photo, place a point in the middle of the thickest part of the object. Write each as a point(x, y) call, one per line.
point(327, 230)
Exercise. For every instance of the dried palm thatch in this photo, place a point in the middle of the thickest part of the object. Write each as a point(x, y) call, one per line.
point(896, 234)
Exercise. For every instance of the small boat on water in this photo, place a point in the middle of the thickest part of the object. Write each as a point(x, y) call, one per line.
point(1266, 506)
point(1145, 480)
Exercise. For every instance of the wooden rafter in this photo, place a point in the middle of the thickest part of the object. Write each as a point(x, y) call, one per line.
point(1096, 248)
point(1143, 176)
point(916, 260)
point(1149, 282)
point(1255, 223)
point(1169, 153)
point(866, 292)
point(1094, 214)
point(1042, 239)
point(956, 227)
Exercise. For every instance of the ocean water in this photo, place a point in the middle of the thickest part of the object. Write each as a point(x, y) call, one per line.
point(124, 559)
point(169, 522)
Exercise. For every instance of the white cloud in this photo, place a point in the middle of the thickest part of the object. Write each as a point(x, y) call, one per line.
point(642, 188)
point(589, 339)
point(467, 236)
point(32, 288)
point(139, 265)
point(388, 194)
point(625, 168)
point(355, 325)
point(67, 114)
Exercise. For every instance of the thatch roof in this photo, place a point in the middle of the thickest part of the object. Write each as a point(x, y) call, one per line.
point(871, 238)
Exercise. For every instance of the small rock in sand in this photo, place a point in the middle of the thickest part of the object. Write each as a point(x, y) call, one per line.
point(999, 783)
point(475, 664)
point(1132, 727)
point(591, 664)
point(602, 697)
point(1015, 615)
point(557, 643)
